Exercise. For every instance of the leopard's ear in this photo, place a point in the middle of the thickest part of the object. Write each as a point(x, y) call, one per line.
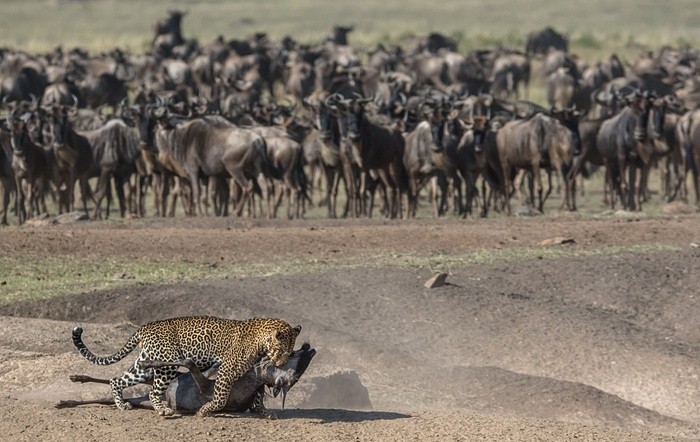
point(296, 330)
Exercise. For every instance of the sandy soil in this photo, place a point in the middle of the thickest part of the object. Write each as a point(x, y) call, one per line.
point(599, 347)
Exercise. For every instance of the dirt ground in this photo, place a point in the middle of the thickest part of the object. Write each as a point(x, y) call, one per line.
point(597, 344)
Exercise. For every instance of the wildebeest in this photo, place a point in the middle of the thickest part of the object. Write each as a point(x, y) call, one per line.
point(189, 391)
point(688, 134)
point(32, 168)
point(539, 42)
point(626, 146)
point(421, 157)
point(168, 33)
point(324, 150)
point(20, 82)
point(7, 179)
point(73, 156)
point(115, 151)
point(588, 133)
point(561, 86)
point(197, 148)
point(536, 143)
point(375, 148)
point(284, 164)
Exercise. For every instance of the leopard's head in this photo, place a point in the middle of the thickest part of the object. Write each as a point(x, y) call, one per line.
point(280, 343)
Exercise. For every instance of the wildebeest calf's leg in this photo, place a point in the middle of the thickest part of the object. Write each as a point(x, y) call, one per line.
point(204, 384)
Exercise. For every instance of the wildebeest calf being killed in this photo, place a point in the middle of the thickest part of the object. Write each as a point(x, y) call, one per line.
point(206, 341)
point(192, 389)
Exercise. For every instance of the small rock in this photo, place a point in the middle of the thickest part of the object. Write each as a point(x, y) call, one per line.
point(72, 217)
point(694, 245)
point(40, 221)
point(436, 281)
point(679, 208)
point(625, 214)
point(556, 241)
point(524, 211)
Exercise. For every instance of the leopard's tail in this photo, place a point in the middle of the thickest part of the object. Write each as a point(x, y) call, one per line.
point(87, 354)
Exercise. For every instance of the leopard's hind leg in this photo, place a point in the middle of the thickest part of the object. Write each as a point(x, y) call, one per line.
point(135, 375)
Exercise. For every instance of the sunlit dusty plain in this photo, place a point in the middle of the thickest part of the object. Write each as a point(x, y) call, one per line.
point(593, 340)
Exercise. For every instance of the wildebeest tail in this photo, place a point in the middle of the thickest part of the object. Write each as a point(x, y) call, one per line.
point(87, 354)
point(261, 146)
point(301, 177)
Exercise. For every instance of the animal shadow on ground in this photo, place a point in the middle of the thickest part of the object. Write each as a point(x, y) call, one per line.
point(329, 415)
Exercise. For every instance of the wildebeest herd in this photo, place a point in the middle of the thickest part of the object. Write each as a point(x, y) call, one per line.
point(244, 124)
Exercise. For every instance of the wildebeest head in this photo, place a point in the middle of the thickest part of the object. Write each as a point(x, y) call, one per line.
point(640, 103)
point(301, 358)
point(58, 125)
point(569, 118)
point(19, 132)
point(321, 115)
point(142, 116)
point(353, 112)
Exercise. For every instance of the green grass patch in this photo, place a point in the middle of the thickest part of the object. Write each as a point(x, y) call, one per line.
point(31, 277)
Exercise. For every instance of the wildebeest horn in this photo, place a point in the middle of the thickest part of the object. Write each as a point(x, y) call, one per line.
point(402, 99)
point(601, 97)
point(75, 101)
point(34, 101)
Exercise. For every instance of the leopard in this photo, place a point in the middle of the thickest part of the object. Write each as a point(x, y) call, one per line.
point(235, 346)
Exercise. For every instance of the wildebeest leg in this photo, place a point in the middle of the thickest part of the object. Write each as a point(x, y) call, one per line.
point(637, 189)
point(204, 385)
point(623, 184)
point(517, 188)
point(537, 177)
point(33, 187)
point(103, 186)
point(278, 193)
point(631, 187)
point(507, 184)
point(125, 194)
point(332, 184)
point(5, 200)
point(471, 192)
point(694, 163)
point(162, 193)
point(644, 195)
point(569, 187)
point(390, 190)
point(351, 185)
point(549, 186)
point(266, 194)
point(19, 201)
point(195, 203)
point(142, 184)
point(184, 191)
point(85, 192)
point(45, 187)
